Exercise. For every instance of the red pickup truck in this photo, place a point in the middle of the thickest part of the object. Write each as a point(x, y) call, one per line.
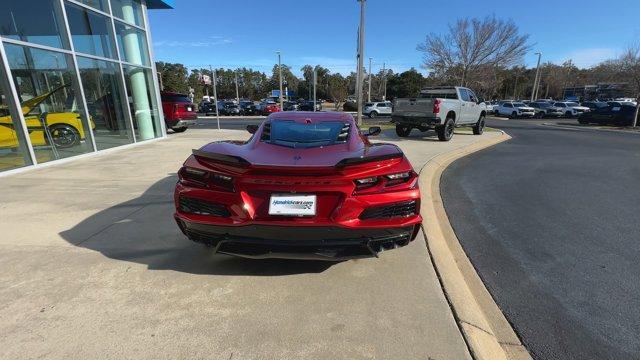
point(179, 111)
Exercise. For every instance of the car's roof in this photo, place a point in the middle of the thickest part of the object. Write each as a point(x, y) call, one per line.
point(312, 115)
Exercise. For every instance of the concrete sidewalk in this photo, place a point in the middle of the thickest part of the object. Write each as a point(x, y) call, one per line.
point(95, 267)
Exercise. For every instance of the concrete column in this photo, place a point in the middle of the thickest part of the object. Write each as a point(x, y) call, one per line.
point(138, 79)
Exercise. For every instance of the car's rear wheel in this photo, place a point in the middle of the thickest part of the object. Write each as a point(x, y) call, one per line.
point(445, 131)
point(403, 130)
point(179, 129)
point(540, 114)
point(478, 128)
point(373, 114)
point(64, 135)
point(514, 115)
point(568, 114)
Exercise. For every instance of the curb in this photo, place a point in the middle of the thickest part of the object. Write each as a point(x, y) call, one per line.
point(486, 331)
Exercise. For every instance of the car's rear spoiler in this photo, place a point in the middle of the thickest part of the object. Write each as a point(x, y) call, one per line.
point(226, 159)
point(365, 159)
point(239, 161)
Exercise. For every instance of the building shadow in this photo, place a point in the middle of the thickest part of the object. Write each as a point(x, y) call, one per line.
point(142, 230)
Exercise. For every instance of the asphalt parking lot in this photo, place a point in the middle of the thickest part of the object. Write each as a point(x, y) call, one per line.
point(95, 267)
point(550, 221)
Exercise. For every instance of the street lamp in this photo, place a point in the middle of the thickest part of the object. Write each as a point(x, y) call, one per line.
point(280, 75)
point(360, 61)
point(535, 81)
point(369, 92)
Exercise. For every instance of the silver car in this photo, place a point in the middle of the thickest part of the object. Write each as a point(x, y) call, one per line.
point(374, 109)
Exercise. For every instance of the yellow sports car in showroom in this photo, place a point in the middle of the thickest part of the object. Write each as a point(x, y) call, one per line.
point(65, 129)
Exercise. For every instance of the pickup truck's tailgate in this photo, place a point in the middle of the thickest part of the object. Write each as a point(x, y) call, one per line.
point(413, 108)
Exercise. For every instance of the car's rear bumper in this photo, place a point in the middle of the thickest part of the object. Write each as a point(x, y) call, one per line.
point(416, 121)
point(332, 243)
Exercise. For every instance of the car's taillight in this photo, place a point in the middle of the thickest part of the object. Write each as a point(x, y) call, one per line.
point(205, 179)
point(436, 106)
point(176, 107)
point(375, 184)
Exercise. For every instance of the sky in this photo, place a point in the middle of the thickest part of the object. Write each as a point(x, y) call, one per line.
point(237, 33)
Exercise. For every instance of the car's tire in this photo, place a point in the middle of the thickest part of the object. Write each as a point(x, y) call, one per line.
point(514, 115)
point(568, 114)
point(403, 130)
point(540, 115)
point(179, 129)
point(583, 121)
point(373, 114)
point(478, 128)
point(445, 131)
point(64, 135)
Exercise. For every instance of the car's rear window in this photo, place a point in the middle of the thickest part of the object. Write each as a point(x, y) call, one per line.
point(301, 135)
point(439, 94)
point(176, 98)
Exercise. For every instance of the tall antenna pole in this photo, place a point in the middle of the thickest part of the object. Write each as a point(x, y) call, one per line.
point(237, 92)
point(369, 92)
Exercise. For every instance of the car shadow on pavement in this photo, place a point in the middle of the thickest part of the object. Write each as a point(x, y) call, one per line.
point(142, 230)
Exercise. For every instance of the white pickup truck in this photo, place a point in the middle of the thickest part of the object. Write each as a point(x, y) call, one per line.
point(442, 108)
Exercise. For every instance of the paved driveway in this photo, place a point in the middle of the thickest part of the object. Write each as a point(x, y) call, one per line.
point(550, 220)
point(93, 266)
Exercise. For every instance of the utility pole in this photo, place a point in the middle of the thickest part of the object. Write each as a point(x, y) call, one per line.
point(215, 94)
point(280, 75)
point(384, 81)
point(360, 61)
point(535, 81)
point(369, 92)
point(315, 82)
point(515, 88)
point(237, 92)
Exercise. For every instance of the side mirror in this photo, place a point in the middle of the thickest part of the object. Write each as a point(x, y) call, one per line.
point(374, 130)
point(252, 129)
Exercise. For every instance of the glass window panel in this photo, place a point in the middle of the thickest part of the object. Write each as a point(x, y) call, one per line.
point(143, 102)
point(91, 32)
point(49, 93)
point(36, 21)
point(132, 44)
point(103, 89)
point(128, 10)
point(98, 4)
point(13, 148)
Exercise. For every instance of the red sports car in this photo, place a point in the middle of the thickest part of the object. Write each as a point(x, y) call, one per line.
point(307, 185)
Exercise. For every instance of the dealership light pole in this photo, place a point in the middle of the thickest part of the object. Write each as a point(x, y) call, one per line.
point(369, 91)
point(237, 92)
point(360, 61)
point(384, 81)
point(215, 94)
point(315, 82)
point(280, 76)
point(535, 81)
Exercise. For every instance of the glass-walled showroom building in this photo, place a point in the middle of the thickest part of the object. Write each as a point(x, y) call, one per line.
point(76, 77)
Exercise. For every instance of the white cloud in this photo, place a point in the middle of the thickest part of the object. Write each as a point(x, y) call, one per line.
point(213, 40)
point(586, 58)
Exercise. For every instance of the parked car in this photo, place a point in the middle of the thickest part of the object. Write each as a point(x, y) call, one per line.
point(291, 106)
point(229, 108)
point(269, 108)
point(612, 114)
point(350, 105)
point(248, 108)
point(594, 105)
point(64, 128)
point(570, 108)
point(206, 108)
point(179, 111)
point(515, 109)
point(491, 106)
point(442, 108)
point(306, 185)
point(544, 109)
point(308, 105)
point(374, 109)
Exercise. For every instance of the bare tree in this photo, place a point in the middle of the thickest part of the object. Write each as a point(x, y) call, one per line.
point(629, 64)
point(472, 45)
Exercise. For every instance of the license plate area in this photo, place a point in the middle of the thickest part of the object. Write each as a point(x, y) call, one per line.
point(292, 205)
